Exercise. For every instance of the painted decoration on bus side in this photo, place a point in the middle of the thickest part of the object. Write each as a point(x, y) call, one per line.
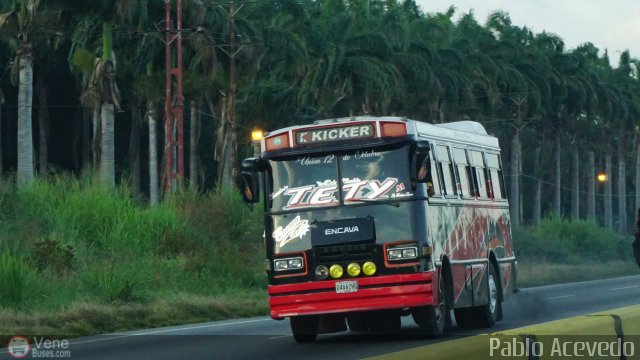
point(324, 193)
point(296, 229)
point(469, 233)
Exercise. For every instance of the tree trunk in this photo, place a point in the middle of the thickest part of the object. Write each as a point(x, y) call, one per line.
point(537, 195)
point(96, 138)
point(134, 153)
point(233, 141)
point(514, 200)
point(622, 189)
point(193, 146)
point(575, 184)
point(25, 128)
point(86, 138)
point(153, 155)
point(608, 208)
point(43, 131)
point(591, 196)
point(557, 187)
point(223, 148)
point(107, 148)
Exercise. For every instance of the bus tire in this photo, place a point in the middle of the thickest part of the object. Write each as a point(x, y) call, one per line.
point(304, 328)
point(433, 320)
point(486, 315)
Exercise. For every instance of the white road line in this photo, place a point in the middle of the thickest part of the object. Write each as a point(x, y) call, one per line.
point(116, 337)
point(626, 287)
point(559, 297)
point(279, 337)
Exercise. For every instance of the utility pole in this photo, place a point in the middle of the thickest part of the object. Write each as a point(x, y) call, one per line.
point(174, 102)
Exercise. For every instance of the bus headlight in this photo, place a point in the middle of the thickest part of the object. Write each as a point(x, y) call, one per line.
point(353, 269)
point(336, 271)
point(295, 263)
point(402, 253)
point(369, 268)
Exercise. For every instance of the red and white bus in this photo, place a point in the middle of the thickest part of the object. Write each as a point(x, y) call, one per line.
point(368, 219)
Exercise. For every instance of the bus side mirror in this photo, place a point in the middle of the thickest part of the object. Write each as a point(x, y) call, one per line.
point(250, 180)
point(250, 187)
point(420, 168)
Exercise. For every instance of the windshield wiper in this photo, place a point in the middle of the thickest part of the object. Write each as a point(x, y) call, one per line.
point(392, 203)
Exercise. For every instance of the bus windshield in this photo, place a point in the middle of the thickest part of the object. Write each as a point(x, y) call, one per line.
point(364, 176)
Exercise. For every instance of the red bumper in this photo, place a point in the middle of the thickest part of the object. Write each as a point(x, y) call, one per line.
point(375, 293)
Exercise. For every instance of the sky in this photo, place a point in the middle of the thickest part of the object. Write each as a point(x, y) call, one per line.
point(610, 24)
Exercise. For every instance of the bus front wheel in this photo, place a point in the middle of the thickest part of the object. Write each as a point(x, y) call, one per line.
point(432, 320)
point(304, 328)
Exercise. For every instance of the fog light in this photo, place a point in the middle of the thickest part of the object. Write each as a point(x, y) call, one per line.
point(322, 272)
point(353, 269)
point(336, 271)
point(369, 268)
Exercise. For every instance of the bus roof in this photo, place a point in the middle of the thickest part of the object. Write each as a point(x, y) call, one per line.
point(463, 132)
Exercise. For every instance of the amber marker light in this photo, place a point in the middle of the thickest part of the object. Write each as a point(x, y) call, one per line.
point(602, 177)
point(256, 135)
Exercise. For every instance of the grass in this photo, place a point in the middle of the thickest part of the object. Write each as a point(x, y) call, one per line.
point(84, 318)
point(546, 273)
point(78, 259)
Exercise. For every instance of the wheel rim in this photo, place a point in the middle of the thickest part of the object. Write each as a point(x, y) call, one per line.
point(493, 294)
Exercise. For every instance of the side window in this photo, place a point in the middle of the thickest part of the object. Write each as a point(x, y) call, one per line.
point(495, 171)
point(479, 175)
point(462, 170)
point(435, 174)
point(445, 169)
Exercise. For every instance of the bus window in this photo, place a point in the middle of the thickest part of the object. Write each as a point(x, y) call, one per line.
point(445, 168)
point(435, 176)
point(497, 182)
point(479, 176)
point(463, 171)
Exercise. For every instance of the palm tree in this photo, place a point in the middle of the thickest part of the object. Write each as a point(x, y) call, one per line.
point(20, 18)
point(101, 89)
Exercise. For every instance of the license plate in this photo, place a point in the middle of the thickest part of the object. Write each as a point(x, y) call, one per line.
point(343, 287)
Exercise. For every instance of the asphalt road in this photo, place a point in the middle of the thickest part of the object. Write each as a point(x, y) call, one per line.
point(263, 338)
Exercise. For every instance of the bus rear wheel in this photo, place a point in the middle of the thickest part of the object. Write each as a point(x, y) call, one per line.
point(486, 315)
point(304, 328)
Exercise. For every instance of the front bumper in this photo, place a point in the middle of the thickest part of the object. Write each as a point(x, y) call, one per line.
point(374, 293)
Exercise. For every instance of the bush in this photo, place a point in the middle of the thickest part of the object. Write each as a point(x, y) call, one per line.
point(558, 239)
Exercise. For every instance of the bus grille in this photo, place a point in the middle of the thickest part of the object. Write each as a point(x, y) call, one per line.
point(344, 253)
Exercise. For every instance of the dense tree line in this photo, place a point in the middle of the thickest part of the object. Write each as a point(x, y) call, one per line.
point(97, 68)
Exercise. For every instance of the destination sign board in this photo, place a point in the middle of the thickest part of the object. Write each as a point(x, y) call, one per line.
point(313, 136)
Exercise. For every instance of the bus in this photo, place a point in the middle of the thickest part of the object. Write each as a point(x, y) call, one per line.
point(368, 219)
